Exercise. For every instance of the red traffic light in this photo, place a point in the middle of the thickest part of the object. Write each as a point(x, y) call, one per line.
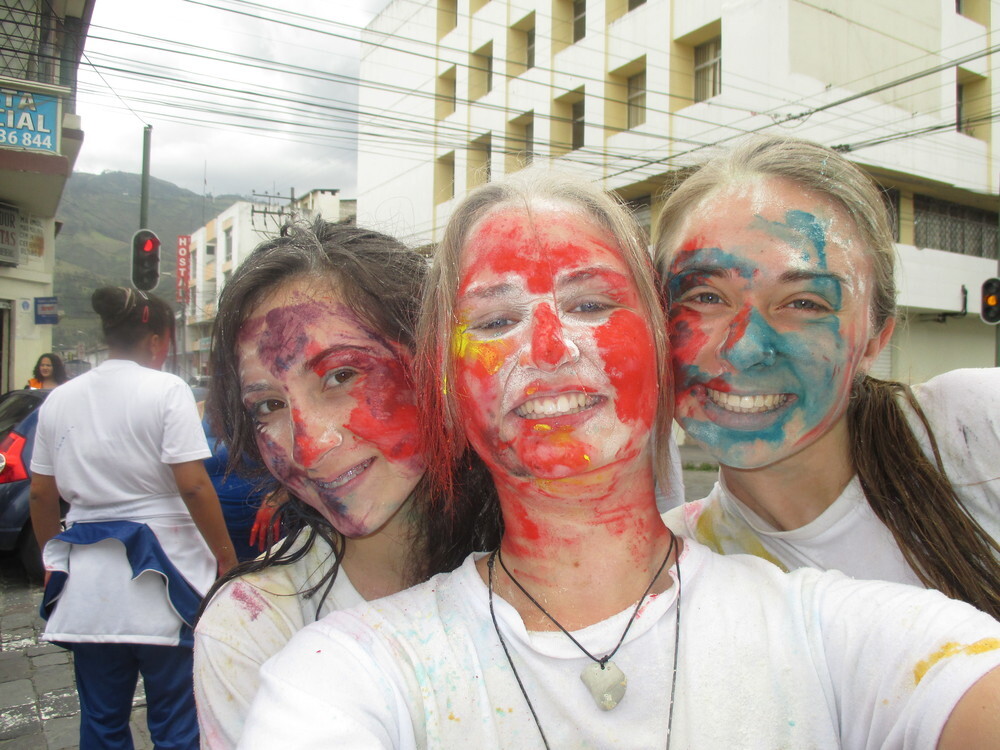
point(145, 260)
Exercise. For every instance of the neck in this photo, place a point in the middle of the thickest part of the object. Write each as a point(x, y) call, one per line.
point(796, 490)
point(379, 564)
point(585, 547)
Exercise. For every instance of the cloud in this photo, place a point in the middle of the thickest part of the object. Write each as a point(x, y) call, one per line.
point(222, 123)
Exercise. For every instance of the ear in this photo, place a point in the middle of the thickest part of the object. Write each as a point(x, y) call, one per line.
point(876, 344)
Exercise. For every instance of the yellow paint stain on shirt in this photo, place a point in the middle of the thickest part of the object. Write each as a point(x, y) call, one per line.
point(452, 717)
point(730, 535)
point(953, 649)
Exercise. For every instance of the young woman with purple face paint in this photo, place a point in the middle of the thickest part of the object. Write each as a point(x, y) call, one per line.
point(311, 379)
point(777, 264)
point(542, 345)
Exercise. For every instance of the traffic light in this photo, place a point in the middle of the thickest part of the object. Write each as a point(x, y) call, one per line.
point(145, 260)
point(990, 311)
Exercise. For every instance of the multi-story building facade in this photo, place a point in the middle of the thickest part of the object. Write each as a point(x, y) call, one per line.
point(626, 92)
point(40, 138)
point(217, 249)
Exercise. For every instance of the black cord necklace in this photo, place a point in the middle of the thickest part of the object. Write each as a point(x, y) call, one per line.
point(599, 665)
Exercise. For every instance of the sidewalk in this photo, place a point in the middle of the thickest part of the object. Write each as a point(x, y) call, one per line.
point(39, 709)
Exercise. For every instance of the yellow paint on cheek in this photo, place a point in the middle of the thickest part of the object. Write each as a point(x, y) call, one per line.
point(489, 354)
point(953, 649)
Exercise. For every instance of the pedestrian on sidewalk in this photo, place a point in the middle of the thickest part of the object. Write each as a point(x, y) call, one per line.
point(144, 539)
point(777, 260)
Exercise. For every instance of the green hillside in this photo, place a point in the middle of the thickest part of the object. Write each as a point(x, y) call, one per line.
point(99, 214)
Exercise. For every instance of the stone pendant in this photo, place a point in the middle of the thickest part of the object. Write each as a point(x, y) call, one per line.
point(606, 685)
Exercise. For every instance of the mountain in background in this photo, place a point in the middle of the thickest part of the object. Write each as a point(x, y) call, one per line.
point(99, 214)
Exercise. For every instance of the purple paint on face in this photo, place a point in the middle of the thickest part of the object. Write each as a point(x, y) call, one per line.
point(333, 406)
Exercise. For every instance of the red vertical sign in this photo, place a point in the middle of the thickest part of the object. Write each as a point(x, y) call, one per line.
point(183, 267)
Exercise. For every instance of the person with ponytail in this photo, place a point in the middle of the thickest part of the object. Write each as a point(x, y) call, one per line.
point(311, 357)
point(777, 266)
point(145, 537)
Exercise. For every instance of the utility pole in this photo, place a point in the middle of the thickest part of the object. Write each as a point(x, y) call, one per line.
point(147, 135)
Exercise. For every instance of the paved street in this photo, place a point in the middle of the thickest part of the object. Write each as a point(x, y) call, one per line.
point(38, 704)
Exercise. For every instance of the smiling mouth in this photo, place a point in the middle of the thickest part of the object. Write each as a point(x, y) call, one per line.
point(556, 406)
point(747, 404)
point(346, 477)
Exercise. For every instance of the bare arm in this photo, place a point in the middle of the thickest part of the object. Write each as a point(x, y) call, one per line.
point(44, 504)
point(975, 722)
point(203, 504)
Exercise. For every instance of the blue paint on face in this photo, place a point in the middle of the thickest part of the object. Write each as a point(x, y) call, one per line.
point(750, 319)
point(800, 229)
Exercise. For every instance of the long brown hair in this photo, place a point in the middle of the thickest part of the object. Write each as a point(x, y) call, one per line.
point(381, 281)
point(943, 544)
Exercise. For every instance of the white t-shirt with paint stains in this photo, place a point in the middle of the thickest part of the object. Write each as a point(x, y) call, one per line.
point(248, 622)
point(962, 408)
point(767, 660)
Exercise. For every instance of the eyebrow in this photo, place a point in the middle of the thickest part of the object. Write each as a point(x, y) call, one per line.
point(488, 292)
point(712, 271)
point(791, 276)
point(311, 363)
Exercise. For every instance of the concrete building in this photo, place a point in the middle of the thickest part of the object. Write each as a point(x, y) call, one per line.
point(40, 138)
point(217, 249)
point(625, 92)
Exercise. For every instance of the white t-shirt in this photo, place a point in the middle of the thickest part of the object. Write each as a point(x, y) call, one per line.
point(963, 410)
point(767, 660)
point(108, 437)
point(247, 622)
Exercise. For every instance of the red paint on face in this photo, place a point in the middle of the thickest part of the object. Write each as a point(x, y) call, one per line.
point(547, 344)
point(630, 357)
point(572, 382)
point(334, 405)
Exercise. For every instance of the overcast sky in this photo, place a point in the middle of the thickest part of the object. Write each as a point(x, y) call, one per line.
point(224, 126)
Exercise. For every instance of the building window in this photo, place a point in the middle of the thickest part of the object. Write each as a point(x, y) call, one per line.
point(708, 69)
point(447, 94)
point(447, 16)
point(481, 71)
point(444, 178)
point(636, 100)
point(480, 161)
point(579, 125)
point(943, 225)
point(579, 20)
point(521, 46)
point(520, 142)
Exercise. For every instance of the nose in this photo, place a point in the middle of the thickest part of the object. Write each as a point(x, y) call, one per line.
point(550, 347)
point(750, 341)
point(313, 436)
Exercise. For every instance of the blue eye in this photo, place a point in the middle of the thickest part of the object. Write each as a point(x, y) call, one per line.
point(808, 305)
point(591, 307)
point(705, 298)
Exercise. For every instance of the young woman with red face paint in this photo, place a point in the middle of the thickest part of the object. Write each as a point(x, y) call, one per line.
point(777, 259)
point(311, 379)
point(145, 537)
point(591, 626)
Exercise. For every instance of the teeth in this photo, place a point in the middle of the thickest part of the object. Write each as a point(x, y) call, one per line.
point(560, 406)
point(346, 477)
point(747, 404)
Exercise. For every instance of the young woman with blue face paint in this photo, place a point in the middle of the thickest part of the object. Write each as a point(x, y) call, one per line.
point(777, 265)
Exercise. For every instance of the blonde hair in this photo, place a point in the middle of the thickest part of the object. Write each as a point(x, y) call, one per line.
point(434, 366)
